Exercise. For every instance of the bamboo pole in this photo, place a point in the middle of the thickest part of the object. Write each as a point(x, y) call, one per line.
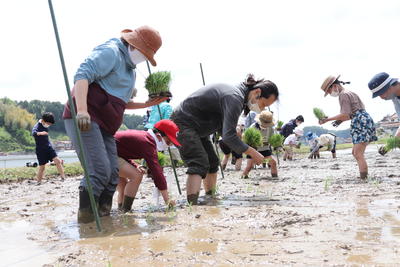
point(169, 150)
point(215, 134)
point(73, 114)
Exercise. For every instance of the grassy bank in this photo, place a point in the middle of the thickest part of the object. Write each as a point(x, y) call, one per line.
point(20, 173)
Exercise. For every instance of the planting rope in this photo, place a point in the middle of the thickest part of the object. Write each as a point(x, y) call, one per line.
point(215, 134)
point(169, 150)
point(73, 114)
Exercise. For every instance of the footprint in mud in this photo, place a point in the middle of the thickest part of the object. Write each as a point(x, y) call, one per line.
point(335, 167)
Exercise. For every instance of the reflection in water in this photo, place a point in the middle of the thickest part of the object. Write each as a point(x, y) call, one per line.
point(16, 249)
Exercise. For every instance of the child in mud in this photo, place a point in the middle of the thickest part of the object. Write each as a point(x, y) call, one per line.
point(328, 140)
point(103, 86)
point(290, 142)
point(136, 144)
point(44, 150)
point(311, 138)
point(287, 128)
point(236, 158)
point(264, 123)
point(216, 108)
point(362, 128)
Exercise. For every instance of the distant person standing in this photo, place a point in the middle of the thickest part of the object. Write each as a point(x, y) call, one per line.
point(154, 117)
point(287, 129)
point(44, 150)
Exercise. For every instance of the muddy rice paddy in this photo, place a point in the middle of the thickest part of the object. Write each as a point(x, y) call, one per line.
point(316, 213)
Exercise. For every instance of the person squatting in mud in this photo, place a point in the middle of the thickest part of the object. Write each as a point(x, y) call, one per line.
point(362, 127)
point(265, 124)
point(292, 141)
point(103, 86)
point(387, 88)
point(136, 144)
point(216, 108)
point(316, 143)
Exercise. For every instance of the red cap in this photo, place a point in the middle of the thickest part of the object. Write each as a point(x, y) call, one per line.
point(170, 129)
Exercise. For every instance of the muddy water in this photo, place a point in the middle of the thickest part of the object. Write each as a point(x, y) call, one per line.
point(316, 213)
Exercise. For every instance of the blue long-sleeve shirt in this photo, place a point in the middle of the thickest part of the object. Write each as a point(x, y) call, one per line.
point(110, 66)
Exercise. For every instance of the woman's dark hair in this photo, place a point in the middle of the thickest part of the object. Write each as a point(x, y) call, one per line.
point(48, 117)
point(267, 87)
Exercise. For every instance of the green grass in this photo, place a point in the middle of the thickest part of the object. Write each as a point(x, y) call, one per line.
point(21, 173)
point(158, 82)
point(252, 137)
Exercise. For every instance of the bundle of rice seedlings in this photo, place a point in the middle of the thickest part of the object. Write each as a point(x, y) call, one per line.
point(162, 159)
point(252, 137)
point(319, 113)
point(391, 143)
point(279, 124)
point(157, 84)
point(276, 140)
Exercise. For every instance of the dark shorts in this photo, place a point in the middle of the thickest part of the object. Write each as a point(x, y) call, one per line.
point(265, 153)
point(45, 155)
point(226, 150)
point(197, 152)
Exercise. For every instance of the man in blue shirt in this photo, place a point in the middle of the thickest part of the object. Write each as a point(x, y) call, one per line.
point(44, 150)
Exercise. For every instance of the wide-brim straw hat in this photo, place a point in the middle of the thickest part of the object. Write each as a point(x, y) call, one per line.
point(145, 39)
point(265, 119)
point(328, 83)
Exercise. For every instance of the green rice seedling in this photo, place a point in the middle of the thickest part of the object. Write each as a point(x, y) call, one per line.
point(252, 137)
point(157, 84)
point(162, 159)
point(319, 113)
point(279, 125)
point(276, 140)
point(327, 183)
point(391, 143)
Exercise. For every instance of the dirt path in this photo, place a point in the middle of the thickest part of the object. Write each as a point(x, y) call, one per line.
point(316, 213)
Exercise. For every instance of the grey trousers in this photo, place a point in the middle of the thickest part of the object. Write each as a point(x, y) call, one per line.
point(101, 157)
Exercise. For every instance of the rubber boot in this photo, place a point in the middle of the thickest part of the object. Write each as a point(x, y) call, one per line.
point(193, 199)
point(334, 155)
point(363, 175)
point(105, 203)
point(85, 213)
point(127, 204)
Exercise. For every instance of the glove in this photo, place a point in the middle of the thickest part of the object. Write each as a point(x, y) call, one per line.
point(382, 151)
point(336, 123)
point(83, 120)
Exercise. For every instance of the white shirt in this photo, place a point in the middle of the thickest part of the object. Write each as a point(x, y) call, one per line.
point(161, 145)
point(291, 140)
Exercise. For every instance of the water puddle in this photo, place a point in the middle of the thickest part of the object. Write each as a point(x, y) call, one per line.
point(17, 250)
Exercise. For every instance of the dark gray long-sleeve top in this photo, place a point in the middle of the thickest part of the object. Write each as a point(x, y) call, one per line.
point(214, 108)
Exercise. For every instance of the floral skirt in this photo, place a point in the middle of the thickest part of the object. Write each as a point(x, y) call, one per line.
point(362, 128)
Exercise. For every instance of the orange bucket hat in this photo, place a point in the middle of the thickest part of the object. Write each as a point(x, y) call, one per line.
point(145, 39)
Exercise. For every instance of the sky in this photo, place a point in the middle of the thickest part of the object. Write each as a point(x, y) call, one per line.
point(295, 44)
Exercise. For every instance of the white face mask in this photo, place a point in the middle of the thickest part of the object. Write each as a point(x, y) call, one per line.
point(45, 125)
point(335, 93)
point(136, 56)
point(254, 106)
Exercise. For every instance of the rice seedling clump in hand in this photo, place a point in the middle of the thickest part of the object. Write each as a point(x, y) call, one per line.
point(391, 143)
point(276, 140)
point(252, 137)
point(319, 113)
point(157, 84)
